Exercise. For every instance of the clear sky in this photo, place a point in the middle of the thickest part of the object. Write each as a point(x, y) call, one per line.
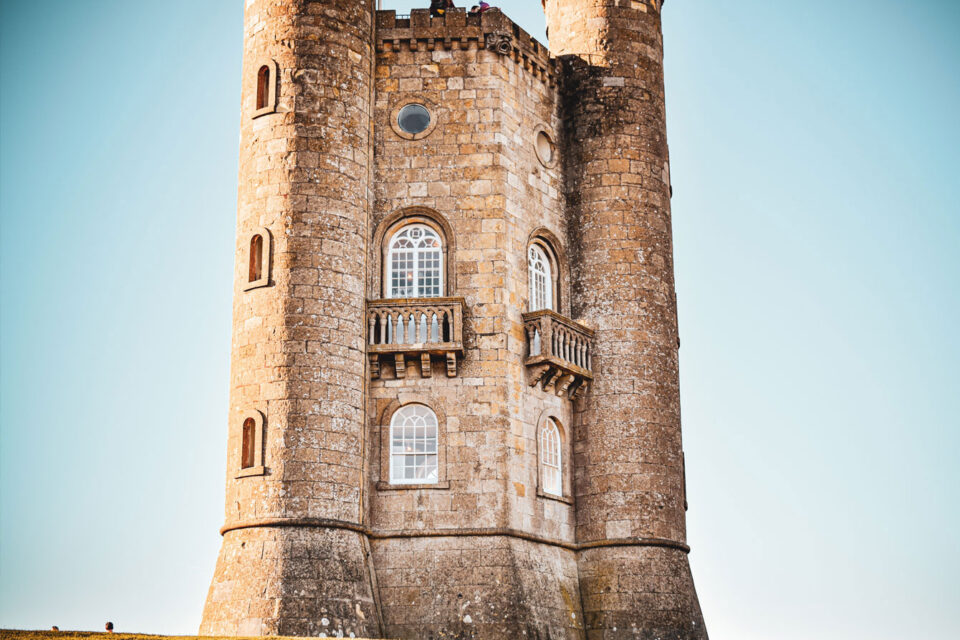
point(815, 154)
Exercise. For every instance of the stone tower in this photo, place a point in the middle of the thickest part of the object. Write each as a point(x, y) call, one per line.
point(618, 193)
point(454, 399)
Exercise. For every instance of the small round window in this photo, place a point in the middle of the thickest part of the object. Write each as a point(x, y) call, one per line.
point(413, 119)
point(546, 151)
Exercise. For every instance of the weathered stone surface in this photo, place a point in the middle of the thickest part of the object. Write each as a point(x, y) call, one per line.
point(317, 540)
point(298, 352)
point(291, 581)
point(629, 460)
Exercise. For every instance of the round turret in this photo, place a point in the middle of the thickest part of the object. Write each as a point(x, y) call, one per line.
point(635, 578)
point(293, 560)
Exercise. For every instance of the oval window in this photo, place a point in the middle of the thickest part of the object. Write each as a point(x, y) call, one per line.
point(413, 118)
point(545, 149)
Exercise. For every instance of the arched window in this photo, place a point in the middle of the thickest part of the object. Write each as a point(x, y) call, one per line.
point(550, 459)
point(415, 263)
point(263, 87)
point(413, 446)
point(541, 279)
point(248, 450)
point(251, 444)
point(268, 74)
point(256, 258)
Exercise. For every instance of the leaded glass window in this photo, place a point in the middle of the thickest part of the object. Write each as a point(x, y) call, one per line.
point(550, 459)
point(416, 263)
point(413, 446)
point(541, 281)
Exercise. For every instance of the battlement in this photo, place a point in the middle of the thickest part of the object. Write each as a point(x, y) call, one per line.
point(458, 29)
point(641, 5)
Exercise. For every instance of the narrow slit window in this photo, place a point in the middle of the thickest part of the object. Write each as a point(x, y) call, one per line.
point(257, 250)
point(248, 447)
point(256, 258)
point(263, 87)
point(251, 445)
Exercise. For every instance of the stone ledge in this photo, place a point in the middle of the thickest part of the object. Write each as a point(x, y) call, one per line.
point(373, 534)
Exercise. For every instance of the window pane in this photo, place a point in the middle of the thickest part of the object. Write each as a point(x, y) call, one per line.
point(541, 282)
point(402, 274)
point(413, 438)
point(415, 263)
point(550, 459)
point(397, 468)
point(413, 118)
point(428, 269)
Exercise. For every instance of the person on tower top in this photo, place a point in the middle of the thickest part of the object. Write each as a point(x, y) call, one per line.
point(439, 7)
point(479, 8)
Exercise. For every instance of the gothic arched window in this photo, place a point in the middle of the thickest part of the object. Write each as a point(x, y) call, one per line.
point(413, 446)
point(551, 466)
point(415, 263)
point(541, 279)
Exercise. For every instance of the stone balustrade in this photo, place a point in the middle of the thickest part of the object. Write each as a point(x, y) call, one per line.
point(559, 353)
point(415, 327)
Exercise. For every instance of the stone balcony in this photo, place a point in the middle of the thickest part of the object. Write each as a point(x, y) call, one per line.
point(421, 328)
point(559, 353)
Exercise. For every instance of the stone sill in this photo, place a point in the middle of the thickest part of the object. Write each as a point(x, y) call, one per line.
point(256, 284)
point(550, 496)
point(386, 486)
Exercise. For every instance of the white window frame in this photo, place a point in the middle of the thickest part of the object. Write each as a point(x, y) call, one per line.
point(540, 273)
point(416, 255)
point(410, 438)
point(551, 459)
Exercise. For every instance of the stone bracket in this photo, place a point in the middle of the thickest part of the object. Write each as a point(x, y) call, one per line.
point(425, 368)
point(556, 379)
point(451, 365)
point(424, 359)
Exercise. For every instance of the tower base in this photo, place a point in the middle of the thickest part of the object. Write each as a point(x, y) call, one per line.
point(639, 593)
point(477, 588)
point(291, 581)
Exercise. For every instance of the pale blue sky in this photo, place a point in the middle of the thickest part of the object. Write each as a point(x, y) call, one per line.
point(815, 154)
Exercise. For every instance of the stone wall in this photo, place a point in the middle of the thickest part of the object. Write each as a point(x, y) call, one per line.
point(477, 171)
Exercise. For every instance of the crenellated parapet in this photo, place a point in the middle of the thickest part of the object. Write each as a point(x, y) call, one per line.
point(458, 29)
